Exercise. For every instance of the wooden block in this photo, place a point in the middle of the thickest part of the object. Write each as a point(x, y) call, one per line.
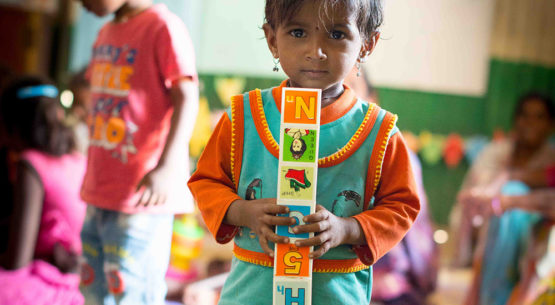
point(292, 260)
point(289, 291)
point(297, 182)
point(301, 106)
point(297, 212)
point(299, 145)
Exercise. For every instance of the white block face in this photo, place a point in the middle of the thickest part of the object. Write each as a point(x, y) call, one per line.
point(292, 292)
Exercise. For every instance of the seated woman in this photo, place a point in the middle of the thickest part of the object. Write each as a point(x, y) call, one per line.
point(495, 182)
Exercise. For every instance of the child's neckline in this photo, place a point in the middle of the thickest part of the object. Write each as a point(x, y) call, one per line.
point(331, 112)
point(133, 16)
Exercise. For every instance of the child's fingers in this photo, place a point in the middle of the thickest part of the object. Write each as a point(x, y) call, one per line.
point(312, 227)
point(277, 220)
point(320, 251)
point(153, 200)
point(145, 197)
point(321, 214)
point(161, 199)
point(273, 237)
point(264, 244)
point(275, 209)
point(317, 240)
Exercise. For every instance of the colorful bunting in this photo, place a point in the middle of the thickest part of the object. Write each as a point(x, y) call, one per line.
point(431, 151)
point(432, 148)
point(453, 150)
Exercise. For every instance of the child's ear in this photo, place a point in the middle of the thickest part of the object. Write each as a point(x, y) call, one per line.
point(271, 39)
point(368, 46)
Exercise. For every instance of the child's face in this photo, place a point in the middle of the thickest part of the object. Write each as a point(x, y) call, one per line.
point(103, 7)
point(297, 145)
point(315, 50)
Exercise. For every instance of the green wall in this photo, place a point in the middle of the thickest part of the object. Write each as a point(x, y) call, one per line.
point(440, 114)
point(510, 80)
point(437, 113)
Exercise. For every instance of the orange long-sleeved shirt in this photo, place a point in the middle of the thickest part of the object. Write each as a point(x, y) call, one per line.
point(396, 202)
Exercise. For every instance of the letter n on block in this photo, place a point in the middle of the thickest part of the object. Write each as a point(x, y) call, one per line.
point(301, 106)
point(292, 260)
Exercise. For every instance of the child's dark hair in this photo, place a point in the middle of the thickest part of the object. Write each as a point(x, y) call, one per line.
point(544, 99)
point(298, 153)
point(369, 13)
point(29, 111)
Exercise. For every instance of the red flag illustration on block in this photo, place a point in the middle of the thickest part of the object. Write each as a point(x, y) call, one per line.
point(297, 179)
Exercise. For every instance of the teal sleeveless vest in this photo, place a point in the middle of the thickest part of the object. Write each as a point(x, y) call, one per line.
point(343, 169)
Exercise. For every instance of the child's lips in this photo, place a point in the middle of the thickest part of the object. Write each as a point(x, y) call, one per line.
point(314, 73)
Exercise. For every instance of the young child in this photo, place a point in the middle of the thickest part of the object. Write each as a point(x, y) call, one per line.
point(145, 98)
point(40, 265)
point(366, 195)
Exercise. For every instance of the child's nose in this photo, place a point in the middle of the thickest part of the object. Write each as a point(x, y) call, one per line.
point(316, 50)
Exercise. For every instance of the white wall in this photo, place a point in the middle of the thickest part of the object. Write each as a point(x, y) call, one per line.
point(434, 45)
point(232, 40)
point(430, 45)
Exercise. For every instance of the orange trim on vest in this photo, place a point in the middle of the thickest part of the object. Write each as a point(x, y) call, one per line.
point(319, 265)
point(237, 134)
point(355, 142)
point(376, 160)
point(259, 118)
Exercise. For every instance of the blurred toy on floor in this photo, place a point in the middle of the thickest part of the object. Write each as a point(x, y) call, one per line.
point(194, 257)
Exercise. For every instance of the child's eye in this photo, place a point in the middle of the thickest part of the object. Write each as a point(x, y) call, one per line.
point(337, 35)
point(297, 33)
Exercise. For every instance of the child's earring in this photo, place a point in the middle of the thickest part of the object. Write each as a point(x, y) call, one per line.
point(276, 63)
point(361, 58)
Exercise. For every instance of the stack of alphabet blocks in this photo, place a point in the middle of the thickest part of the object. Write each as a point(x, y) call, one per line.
point(297, 180)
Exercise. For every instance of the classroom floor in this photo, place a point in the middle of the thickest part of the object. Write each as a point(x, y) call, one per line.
point(452, 283)
point(452, 286)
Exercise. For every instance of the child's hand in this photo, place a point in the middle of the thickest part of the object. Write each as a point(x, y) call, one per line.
point(330, 231)
point(260, 216)
point(66, 261)
point(156, 185)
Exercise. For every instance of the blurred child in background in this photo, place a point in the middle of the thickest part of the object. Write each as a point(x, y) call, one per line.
point(144, 102)
point(44, 242)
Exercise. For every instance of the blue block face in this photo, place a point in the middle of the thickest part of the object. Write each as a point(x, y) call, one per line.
point(297, 212)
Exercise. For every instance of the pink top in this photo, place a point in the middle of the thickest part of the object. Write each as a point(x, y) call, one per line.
point(134, 64)
point(63, 212)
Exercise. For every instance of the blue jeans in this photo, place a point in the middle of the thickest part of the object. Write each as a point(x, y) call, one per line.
point(125, 257)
